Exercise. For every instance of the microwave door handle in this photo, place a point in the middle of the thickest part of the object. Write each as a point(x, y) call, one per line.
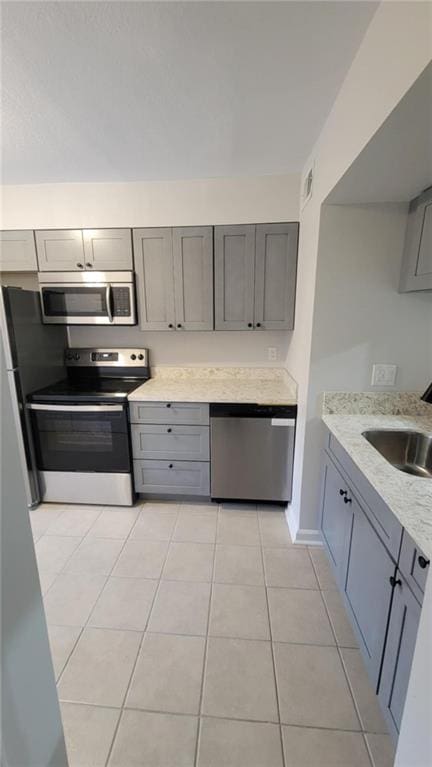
point(108, 298)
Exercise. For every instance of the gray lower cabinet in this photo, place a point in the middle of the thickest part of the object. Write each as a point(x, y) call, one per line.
point(401, 639)
point(72, 250)
point(171, 447)
point(336, 518)
point(174, 270)
point(172, 477)
point(17, 251)
point(368, 589)
point(255, 276)
point(416, 271)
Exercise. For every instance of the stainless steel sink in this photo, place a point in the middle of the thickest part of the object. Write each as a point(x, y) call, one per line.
point(408, 451)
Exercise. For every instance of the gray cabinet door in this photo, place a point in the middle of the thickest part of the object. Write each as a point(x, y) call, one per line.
point(108, 249)
point(155, 278)
point(193, 277)
point(399, 651)
point(17, 251)
point(336, 518)
point(368, 589)
point(60, 250)
point(172, 477)
point(417, 261)
point(234, 277)
point(187, 413)
point(275, 276)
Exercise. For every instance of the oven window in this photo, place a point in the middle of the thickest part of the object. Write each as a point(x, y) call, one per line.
point(74, 302)
point(81, 441)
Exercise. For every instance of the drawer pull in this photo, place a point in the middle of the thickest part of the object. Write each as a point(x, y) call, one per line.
point(169, 431)
point(423, 562)
point(343, 492)
point(170, 466)
point(395, 581)
point(347, 500)
point(168, 404)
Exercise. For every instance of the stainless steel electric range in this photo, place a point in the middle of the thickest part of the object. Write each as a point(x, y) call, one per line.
point(81, 428)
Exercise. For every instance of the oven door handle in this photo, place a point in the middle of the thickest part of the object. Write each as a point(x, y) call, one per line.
point(78, 408)
point(108, 297)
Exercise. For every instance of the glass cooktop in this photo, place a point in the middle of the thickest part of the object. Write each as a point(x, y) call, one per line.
point(87, 390)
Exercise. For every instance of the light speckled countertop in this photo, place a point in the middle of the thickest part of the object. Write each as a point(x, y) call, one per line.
point(264, 386)
point(408, 497)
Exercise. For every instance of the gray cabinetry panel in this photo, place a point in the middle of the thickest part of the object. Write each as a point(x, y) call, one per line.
point(17, 251)
point(234, 277)
point(60, 250)
point(400, 646)
point(336, 518)
point(155, 278)
point(108, 249)
point(188, 413)
point(417, 260)
point(368, 589)
point(193, 277)
point(176, 477)
point(187, 443)
point(414, 565)
point(275, 276)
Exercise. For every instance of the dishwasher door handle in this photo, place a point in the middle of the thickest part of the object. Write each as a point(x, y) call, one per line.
point(283, 422)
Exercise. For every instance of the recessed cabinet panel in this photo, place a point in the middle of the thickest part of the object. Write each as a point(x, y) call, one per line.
point(60, 250)
point(193, 277)
point(234, 277)
point(188, 413)
point(187, 443)
point(368, 589)
point(275, 275)
point(336, 519)
point(417, 259)
point(173, 477)
point(155, 278)
point(108, 249)
point(17, 251)
point(400, 646)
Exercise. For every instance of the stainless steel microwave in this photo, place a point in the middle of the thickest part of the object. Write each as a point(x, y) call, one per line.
point(87, 298)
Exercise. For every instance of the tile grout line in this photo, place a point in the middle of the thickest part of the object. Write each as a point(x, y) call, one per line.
point(204, 667)
point(272, 648)
point(131, 676)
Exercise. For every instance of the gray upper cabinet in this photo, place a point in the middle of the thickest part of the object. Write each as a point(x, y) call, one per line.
point(193, 277)
point(174, 270)
point(60, 250)
point(275, 275)
point(108, 249)
point(17, 251)
point(417, 260)
point(155, 278)
point(401, 639)
point(234, 277)
point(255, 276)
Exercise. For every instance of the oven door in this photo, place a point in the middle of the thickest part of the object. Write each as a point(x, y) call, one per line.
point(84, 438)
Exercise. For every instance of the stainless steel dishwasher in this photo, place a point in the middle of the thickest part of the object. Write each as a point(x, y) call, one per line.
point(252, 452)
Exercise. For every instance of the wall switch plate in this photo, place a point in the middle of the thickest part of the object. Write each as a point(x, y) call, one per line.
point(272, 353)
point(384, 375)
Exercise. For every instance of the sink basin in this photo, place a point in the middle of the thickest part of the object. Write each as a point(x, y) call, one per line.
point(408, 451)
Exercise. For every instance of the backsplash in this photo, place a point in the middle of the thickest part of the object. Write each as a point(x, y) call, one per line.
point(374, 403)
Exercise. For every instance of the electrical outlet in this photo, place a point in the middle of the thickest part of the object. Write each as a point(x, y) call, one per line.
point(272, 353)
point(383, 375)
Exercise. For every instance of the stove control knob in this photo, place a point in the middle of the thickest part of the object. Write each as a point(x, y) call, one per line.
point(133, 356)
point(140, 356)
point(76, 357)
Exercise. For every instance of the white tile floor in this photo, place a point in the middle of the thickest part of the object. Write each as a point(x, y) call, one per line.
point(187, 634)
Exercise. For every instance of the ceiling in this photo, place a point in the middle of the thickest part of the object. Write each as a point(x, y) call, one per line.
point(396, 164)
point(119, 91)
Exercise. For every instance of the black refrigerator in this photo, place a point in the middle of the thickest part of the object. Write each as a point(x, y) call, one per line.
point(34, 355)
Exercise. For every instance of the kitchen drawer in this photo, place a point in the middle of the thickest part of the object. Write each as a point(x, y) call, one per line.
point(190, 413)
point(384, 521)
point(414, 565)
point(179, 477)
point(187, 443)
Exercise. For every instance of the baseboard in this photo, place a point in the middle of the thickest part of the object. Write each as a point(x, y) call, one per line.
point(301, 536)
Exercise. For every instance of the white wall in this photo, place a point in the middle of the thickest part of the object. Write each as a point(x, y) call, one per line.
point(359, 319)
point(395, 50)
point(176, 203)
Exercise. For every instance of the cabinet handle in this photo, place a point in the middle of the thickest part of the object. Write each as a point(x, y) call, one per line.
point(168, 404)
point(395, 581)
point(423, 562)
point(170, 325)
point(169, 431)
point(89, 265)
point(343, 492)
point(170, 466)
point(258, 324)
point(347, 500)
point(179, 324)
point(80, 266)
point(250, 325)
